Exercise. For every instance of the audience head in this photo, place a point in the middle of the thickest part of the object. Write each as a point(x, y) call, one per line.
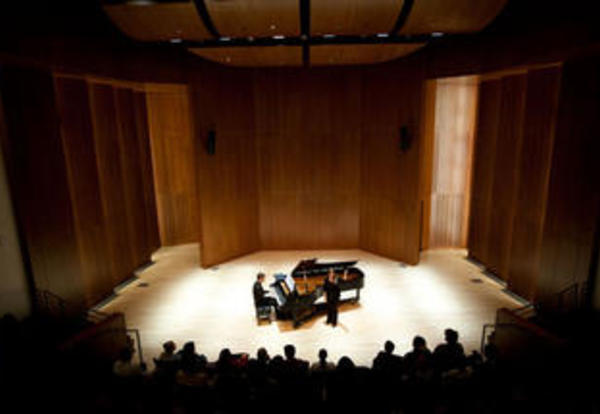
point(169, 347)
point(389, 347)
point(345, 363)
point(262, 355)
point(451, 336)
point(189, 348)
point(225, 355)
point(322, 354)
point(260, 277)
point(289, 351)
point(419, 343)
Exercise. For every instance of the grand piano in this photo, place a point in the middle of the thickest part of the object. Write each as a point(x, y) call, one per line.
point(297, 293)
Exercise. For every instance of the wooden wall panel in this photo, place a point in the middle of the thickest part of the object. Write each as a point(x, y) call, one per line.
point(174, 163)
point(426, 157)
point(573, 193)
point(151, 234)
point(483, 168)
point(110, 173)
point(80, 156)
point(390, 217)
point(228, 191)
point(455, 110)
point(506, 173)
point(308, 137)
point(131, 170)
point(39, 180)
point(534, 171)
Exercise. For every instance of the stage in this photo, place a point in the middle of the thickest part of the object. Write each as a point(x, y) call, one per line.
point(176, 299)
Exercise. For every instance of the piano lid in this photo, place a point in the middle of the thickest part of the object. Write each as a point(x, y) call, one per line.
point(310, 267)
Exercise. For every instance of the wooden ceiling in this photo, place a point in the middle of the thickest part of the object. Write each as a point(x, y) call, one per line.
point(299, 32)
point(323, 55)
point(161, 21)
point(355, 17)
point(258, 56)
point(256, 18)
point(451, 16)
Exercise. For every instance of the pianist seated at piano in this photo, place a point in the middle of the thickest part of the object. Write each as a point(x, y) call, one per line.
point(261, 298)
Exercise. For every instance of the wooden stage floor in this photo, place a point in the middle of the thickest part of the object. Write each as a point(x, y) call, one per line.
point(176, 299)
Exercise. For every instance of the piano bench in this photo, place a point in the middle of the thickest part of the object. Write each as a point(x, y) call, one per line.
point(263, 312)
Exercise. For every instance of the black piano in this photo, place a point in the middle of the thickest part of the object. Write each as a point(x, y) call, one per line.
point(297, 293)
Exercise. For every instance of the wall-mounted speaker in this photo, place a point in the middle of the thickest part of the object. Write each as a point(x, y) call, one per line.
point(404, 138)
point(211, 142)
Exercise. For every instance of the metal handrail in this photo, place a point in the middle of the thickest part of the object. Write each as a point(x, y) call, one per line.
point(483, 332)
point(136, 332)
point(64, 304)
point(495, 325)
point(138, 339)
point(524, 308)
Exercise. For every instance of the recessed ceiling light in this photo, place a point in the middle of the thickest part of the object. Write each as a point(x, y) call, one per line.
point(328, 36)
point(437, 34)
point(141, 2)
point(176, 40)
point(224, 39)
point(279, 37)
point(383, 35)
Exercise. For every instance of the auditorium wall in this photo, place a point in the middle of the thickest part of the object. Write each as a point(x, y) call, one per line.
point(453, 116)
point(308, 133)
point(534, 202)
point(14, 287)
point(222, 101)
point(517, 111)
point(390, 208)
point(574, 188)
point(308, 159)
point(174, 161)
point(78, 161)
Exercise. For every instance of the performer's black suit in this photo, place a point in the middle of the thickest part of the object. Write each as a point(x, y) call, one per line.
point(260, 296)
point(333, 297)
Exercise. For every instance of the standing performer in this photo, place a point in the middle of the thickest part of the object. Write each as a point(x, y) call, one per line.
point(332, 290)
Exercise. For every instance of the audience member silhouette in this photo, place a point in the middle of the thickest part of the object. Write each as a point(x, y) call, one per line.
point(168, 353)
point(418, 362)
point(450, 355)
point(293, 364)
point(193, 373)
point(323, 365)
point(386, 360)
point(189, 357)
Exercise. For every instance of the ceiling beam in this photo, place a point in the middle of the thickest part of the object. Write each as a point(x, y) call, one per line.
point(305, 30)
point(311, 41)
point(402, 16)
point(206, 19)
